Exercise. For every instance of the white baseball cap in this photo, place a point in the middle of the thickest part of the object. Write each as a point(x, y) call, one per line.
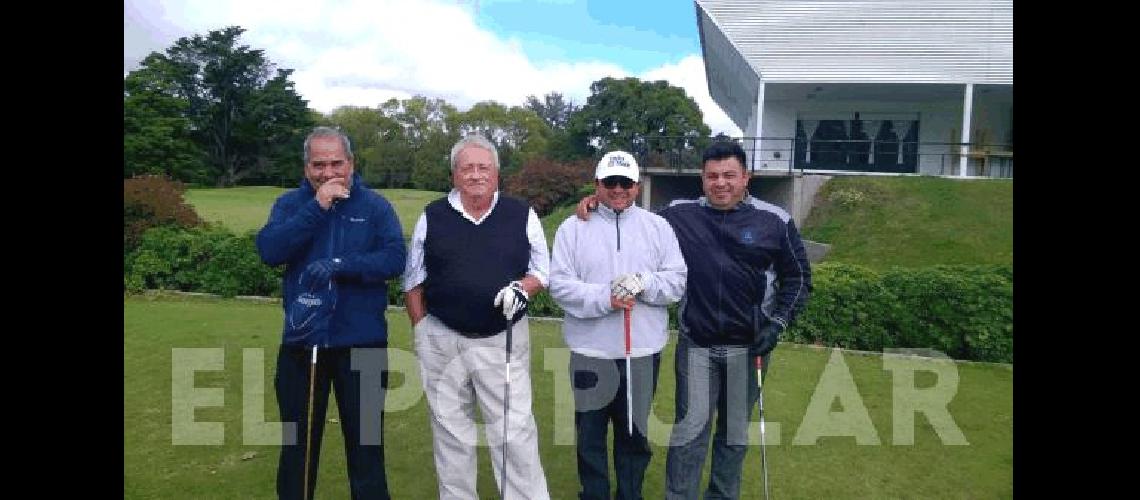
point(617, 163)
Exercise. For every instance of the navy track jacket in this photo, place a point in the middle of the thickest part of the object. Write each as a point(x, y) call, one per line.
point(747, 266)
point(363, 231)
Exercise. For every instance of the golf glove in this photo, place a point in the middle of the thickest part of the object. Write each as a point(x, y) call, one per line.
point(512, 298)
point(627, 286)
point(323, 270)
point(766, 339)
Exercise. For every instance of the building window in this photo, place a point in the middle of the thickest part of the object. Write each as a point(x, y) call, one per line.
point(883, 143)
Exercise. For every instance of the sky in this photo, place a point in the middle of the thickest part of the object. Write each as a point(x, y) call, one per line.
point(364, 52)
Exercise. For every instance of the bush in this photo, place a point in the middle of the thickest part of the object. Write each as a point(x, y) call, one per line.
point(201, 259)
point(546, 184)
point(849, 307)
point(543, 305)
point(152, 201)
point(234, 268)
point(396, 291)
point(964, 311)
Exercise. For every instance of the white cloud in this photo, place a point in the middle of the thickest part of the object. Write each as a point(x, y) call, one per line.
point(689, 74)
point(363, 52)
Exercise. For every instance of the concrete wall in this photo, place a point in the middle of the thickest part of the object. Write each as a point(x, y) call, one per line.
point(792, 193)
point(665, 188)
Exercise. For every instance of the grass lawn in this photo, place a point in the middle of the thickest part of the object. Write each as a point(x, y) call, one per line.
point(834, 466)
point(914, 221)
point(247, 208)
point(551, 222)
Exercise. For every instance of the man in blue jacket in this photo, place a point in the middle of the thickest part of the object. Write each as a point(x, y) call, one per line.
point(333, 234)
point(748, 278)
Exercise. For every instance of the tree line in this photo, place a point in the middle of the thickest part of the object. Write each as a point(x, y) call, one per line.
point(210, 111)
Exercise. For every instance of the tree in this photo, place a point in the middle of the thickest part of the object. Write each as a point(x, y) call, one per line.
point(242, 112)
point(424, 125)
point(369, 130)
point(637, 116)
point(518, 133)
point(557, 112)
point(554, 109)
point(156, 134)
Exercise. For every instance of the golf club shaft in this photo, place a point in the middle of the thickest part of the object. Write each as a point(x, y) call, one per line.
point(760, 398)
point(506, 411)
point(309, 420)
point(628, 378)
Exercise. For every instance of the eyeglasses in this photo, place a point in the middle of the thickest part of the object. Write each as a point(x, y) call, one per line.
point(616, 180)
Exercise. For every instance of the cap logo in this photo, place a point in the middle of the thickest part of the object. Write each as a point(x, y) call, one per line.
point(617, 161)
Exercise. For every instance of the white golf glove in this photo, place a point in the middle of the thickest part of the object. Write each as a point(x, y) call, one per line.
point(627, 286)
point(512, 298)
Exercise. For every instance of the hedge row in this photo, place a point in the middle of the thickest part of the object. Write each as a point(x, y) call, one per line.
point(963, 311)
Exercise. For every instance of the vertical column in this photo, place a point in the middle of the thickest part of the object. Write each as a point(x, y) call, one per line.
point(967, 110)
point(646, 187)
point(758, 122)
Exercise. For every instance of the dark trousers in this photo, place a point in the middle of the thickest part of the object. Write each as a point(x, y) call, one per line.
point(599, 400)
point(360, 400)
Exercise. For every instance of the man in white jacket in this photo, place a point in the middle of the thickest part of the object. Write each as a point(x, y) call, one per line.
point(627, 258)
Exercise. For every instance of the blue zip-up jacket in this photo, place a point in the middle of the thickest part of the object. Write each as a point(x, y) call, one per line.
point(362, 231)
point(747, 266)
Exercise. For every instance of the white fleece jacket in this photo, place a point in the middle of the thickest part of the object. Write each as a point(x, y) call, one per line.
point(586, 258)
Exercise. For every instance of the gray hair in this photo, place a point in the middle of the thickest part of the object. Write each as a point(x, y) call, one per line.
point(474, 140)
point(329, 132)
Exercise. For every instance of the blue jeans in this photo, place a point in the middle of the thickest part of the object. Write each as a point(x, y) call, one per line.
point(360, 400)
point(599, 400)
point(720, 381)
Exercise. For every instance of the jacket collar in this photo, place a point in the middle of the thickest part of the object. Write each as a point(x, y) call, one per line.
point(357, 185)
point(704, 202)
point(609, 214)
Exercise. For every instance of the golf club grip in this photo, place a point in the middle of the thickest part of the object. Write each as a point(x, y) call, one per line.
point(627, 342)
point(510, 331)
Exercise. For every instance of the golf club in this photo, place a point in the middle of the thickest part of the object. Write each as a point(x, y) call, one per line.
point(760, 388)
point(506, 411)
point(628, 379)
point(309, 420)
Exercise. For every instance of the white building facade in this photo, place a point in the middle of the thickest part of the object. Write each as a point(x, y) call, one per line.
point(865, 86)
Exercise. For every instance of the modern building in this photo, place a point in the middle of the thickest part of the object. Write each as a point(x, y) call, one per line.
point(857, 87)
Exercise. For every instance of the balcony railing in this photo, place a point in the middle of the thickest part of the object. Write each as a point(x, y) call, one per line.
point(786, 154)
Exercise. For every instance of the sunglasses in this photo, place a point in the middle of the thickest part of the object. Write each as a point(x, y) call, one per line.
point(616, 180)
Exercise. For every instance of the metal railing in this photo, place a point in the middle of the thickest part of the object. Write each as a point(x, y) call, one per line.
point(787, 154)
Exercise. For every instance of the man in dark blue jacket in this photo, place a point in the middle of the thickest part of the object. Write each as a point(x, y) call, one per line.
point(340, 242)
point(748, 278)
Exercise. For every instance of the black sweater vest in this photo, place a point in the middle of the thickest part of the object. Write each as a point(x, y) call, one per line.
point(468, 264)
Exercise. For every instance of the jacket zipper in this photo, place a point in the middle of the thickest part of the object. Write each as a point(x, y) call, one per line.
point(617, 224)
point(720, 282)
point(334, 233)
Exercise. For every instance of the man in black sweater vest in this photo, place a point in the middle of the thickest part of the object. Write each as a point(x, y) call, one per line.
point(474, 261)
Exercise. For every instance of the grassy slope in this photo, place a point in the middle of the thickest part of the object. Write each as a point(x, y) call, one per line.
point(246, 208)
point(874, 221)
point(833, 467)
point(551, 222)
point(908, 221)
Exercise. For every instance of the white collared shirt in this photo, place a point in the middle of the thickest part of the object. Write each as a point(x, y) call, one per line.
point(539, 266)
